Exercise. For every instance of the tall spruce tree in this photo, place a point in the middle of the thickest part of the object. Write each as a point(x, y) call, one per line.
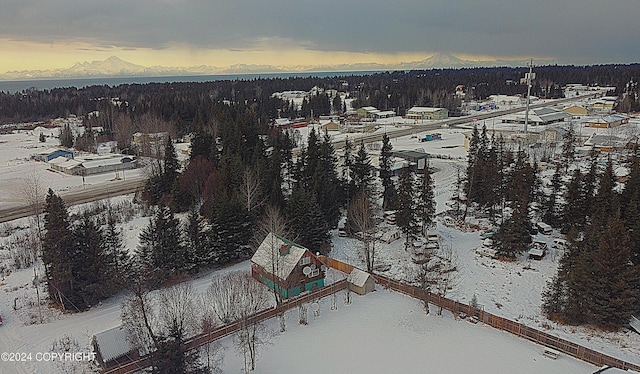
point(388, 187)
point(425, 202)
point(406, 217)
point(88, 266)
point(630, 208)
point(361, 171)
point(161, 253)
point(307, 221)
point(614, 282)
point(573, 212)
point(58, 250)
point(196, 242)
point(569, 146)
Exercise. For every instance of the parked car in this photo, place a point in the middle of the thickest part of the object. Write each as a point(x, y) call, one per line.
point(488, 233)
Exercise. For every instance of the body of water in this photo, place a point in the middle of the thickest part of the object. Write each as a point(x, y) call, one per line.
point(47, 84)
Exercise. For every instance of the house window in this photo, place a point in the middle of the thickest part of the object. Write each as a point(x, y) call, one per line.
point(305, 260)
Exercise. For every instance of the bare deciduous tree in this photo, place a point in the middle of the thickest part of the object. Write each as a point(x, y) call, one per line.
point(34, 192)
point(448, 277)
point(236, 296)
point(360, 218)
point(161, 324)
point(251, 191)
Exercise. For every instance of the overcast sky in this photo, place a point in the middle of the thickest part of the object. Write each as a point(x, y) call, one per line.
point(39, 34)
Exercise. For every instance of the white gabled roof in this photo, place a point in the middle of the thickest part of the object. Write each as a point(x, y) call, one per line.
point(113, 343)
point(358, 277)
point(424, 109)
point(269, 257)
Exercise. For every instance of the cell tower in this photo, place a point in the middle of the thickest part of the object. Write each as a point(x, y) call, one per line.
point(528, 77)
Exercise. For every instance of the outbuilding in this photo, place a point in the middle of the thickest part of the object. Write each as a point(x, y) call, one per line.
point(361, 282)
point(113, 346)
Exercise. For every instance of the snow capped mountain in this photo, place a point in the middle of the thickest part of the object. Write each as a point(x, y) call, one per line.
point(116, 67)
point(111, 66)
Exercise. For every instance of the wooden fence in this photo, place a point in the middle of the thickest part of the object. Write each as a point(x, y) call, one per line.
point(230, 328)
point(516, 328)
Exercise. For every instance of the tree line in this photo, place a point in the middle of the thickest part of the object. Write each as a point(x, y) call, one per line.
point(598, 280)
point(190, 104)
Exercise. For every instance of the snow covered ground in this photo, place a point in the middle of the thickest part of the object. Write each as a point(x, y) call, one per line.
point(386, 332)
point(378, 333)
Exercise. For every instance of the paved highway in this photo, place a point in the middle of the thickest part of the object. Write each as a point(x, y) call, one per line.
point(89, 194)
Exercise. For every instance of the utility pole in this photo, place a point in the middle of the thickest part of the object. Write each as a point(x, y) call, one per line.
point(528, 76)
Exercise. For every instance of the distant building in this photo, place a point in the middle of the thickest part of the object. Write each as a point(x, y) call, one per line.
point(538, 117)
point(578, 110)
point(93, 164)
point(368, 112)
point(608, 121)
point(52, 153)
point(428, 113)
point(604, 104)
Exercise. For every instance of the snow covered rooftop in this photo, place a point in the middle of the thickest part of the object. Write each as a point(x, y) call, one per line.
point(358, 277)
point(278, 256)
point(113, 343)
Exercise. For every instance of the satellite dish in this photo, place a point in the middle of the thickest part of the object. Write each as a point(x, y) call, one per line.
point(315, 307)
point(306, 270)
point(313, 266)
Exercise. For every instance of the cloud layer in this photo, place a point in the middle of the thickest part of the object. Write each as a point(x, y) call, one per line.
point(572, 31)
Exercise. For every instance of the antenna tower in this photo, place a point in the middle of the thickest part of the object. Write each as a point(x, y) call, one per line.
point(529, 77)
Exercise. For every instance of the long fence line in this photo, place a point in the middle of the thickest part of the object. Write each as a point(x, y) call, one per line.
point(230, 328)
point(540, 337)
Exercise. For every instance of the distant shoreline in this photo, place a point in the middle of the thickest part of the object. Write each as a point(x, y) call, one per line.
point(13, 86)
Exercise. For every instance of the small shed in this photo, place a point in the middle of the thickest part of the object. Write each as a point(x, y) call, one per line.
point(361, 282)
point(113, 347)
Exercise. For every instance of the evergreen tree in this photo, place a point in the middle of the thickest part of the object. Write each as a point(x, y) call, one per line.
point(513, 235)
point(325, 182)
point(57, 250)
point(388, 188)
point(196, 242)
point(202, 144)
point(630, 208)
point(614, 283)
point(230, 230)
point(170, 167)
point(425, 203)
point(88, 264)
point(348, 184)
point(553, 299)
point(361, 170)
point(605, 202)
point(66, 136)
point(307, 222)
point(573, 214)
point(552, 213)
point(116, 256)
point(406, 217)
point(161, 253)
point(569, 146)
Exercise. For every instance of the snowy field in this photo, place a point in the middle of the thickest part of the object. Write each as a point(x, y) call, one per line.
point(378, 333)
point(386, 332)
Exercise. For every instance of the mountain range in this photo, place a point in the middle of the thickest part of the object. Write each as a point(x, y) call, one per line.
point(116, 67)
